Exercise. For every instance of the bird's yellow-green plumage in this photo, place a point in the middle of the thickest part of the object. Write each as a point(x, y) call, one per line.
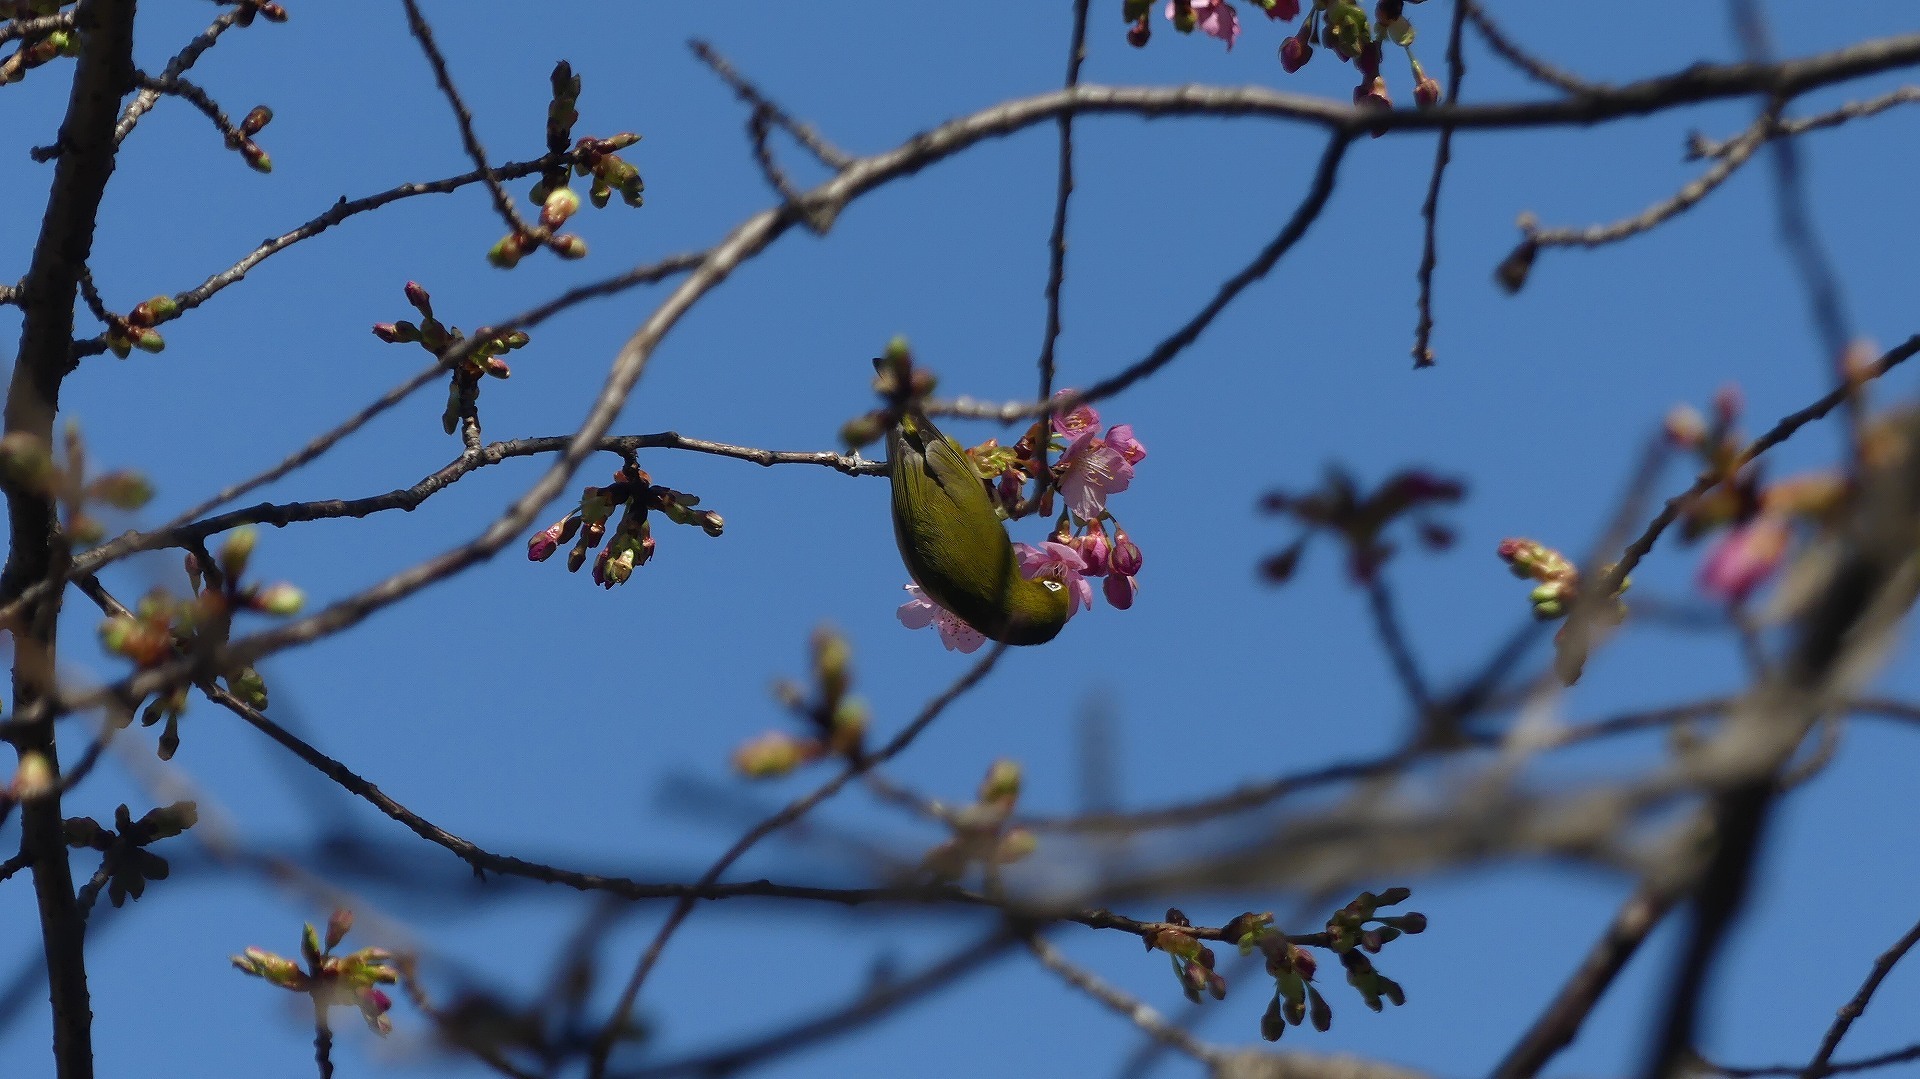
point(954, 544)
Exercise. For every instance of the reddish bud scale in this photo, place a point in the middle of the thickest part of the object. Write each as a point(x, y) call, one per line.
point(257, 118)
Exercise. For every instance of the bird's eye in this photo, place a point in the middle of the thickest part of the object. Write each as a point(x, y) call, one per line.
point(1052, 586)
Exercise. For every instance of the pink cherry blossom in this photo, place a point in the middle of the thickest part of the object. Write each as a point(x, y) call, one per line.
point(1080, 420)
point(1744, 558)
point(1120, 590)
point(1214, 18)
point(1090, 470)
point(1284, 10)
point(1063, 564)
point(1120, 437)
point(921, 612)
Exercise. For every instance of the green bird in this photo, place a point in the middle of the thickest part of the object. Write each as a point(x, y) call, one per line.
point(954, 545)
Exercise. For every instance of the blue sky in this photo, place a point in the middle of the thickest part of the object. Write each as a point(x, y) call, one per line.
point(540, 716)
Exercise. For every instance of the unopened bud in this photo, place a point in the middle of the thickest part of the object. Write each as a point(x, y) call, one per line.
point(257, 118)
point(559, 205)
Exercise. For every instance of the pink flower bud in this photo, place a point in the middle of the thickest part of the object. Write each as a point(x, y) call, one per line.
point(1744, 559)
point(1686, 429)
point(1120, 590)
point(541, 545)
point(1426, 92)
point(1284, 10)
point(418, 297)
point(1094, 551)
point(1126, 557)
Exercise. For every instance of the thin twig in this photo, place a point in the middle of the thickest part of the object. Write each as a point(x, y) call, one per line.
point(1737, 153)
point(1430, 207)
point(826, 152)
point(799, 807)
point(1701, 147)
point(503, 202)
point(176, 67)
point(1525, 62)
point(1133, 1010)
point(1782, 430)
point(1057, 238)
point(1842, 1022)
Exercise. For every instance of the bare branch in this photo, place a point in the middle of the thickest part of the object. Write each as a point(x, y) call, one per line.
point(1856, 1007)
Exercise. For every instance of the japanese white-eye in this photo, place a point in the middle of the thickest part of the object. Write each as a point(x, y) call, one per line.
point(954, 544)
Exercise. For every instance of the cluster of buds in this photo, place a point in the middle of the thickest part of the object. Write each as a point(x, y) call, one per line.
point(1556, 588)
point(981, 835)
point(631, 544)
point(588, 157)
point(125, 861)
point(1755, 519)
point(1359, 521)
point(27, 465)
point(902, 386)
point(1192, 961)
point(352, 980)
point(163, 627)
point(1558, 579)
point(481, 356)
point(1350, 936)
point(241, 138)
point(136, 328)
point(1339, 25)
point(836, 721)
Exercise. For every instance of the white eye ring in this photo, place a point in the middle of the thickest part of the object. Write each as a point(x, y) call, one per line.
point(1052, 585)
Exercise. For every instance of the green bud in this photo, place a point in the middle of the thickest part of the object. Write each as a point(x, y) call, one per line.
point(282, 599)
point(506, 253)
point(237, 551)
point(123, 490)
point(150, 341)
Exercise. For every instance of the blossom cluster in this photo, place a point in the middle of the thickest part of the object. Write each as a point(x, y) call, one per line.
point(1754, 519)
point(351, 980)
point(1087, 541)
point(1341, 26)
point(480, 358)
point(598, 158)
point(163, 627)
point(631, 544)
point(1359, 519)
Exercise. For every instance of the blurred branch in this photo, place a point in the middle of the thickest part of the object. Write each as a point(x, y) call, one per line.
point(793, 811)
point(877, 1003)
point(1127, 1007)
point(1560, 1023)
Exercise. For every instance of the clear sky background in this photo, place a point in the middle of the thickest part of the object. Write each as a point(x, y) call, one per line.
point(540, 716)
